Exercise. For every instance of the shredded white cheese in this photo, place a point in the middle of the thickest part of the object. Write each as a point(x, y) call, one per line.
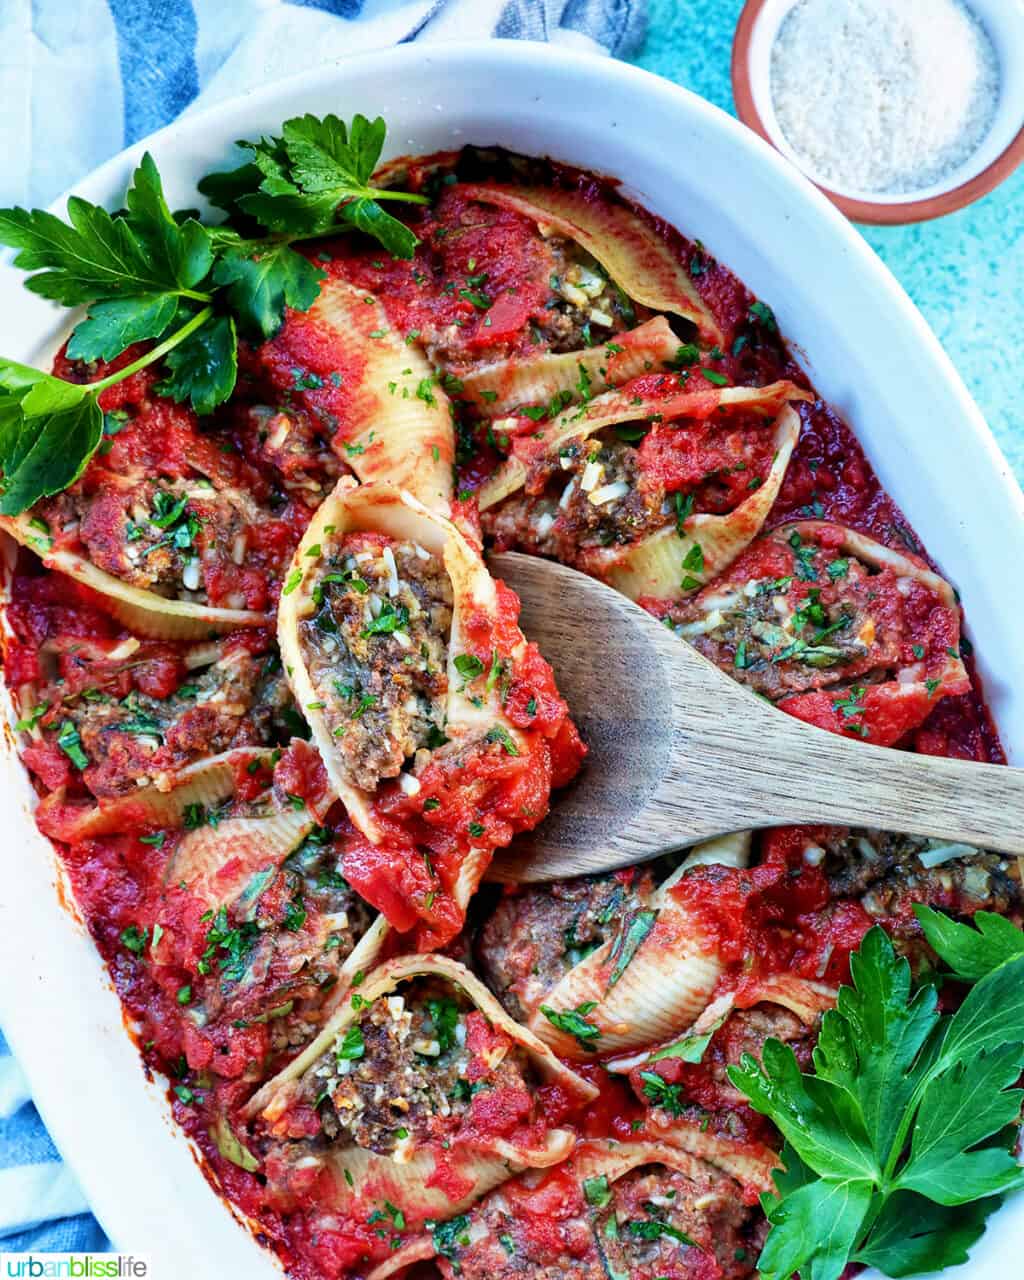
point(392, 571)
point(884, 96)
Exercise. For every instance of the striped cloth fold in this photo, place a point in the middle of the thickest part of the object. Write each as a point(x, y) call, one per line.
point(143, 63)
point(80, 80)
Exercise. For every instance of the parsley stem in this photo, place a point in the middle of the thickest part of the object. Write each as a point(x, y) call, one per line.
point(410, 197)
point(149, 357)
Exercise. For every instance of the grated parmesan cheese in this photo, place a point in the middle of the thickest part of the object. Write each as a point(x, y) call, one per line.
point(883, 96)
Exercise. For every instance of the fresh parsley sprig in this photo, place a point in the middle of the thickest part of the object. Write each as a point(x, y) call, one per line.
point(899, 1146)
point(146, 274)
point(315, 179)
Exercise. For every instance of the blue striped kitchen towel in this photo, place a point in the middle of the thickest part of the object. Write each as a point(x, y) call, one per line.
point(140, 63)
point(79, 80)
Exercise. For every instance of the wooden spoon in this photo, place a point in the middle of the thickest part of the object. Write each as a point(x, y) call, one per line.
point(679, 752)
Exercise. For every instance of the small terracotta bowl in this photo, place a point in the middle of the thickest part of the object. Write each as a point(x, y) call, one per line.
point(1001, 151)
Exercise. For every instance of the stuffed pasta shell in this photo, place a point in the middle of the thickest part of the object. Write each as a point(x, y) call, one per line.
point(247, 926)
point(346, 367)
point(439, 726)
point(640, 1210)
point(600, 965)
point(105, 713)
point(654, 487)
point(421, 1090)
point(626, 247)
point(839, 630)
point(168, 527)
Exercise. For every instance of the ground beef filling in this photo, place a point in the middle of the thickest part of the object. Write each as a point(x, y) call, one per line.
point(779, 641)
point(885, 871)
point(585, 307)
point(536, 936)
point(241, 700)
point(659, 1222)
point(591, 496)
point(277, 952)
point(161, 535)
point(376, 651)
point(405, 1071)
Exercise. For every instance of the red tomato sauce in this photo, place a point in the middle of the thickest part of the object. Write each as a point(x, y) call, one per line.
point(777, 916)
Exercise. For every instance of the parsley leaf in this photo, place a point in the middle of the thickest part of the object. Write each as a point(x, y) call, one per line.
point(971, 952)
point(115, 324)
point(261, 283)
point(315, 176)
point(573, 1022)
point(658, 1090)
point(98, 255)
point(143, 270)
point(48, 431)
point(203, 367)
point(908, 1114)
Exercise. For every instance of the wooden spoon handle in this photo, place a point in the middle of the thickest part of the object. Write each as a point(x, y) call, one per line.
point(806, 775)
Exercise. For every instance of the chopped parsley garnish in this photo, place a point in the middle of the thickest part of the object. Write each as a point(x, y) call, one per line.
point(654, 1229)
point(498, 733)
point(693, 563)
point(352, 1045)
point(468, 666)
point(450, 1236)
point(688, 353)
point(667, 1096)
point(683, 510)
point(294, 915)
point(388, 621)
point(234, 943)
point(596, 1191)
point(27, 723)
point(762, 314)
point(804, 558)
point(70, 743)
point(194, 816)
point(444, 1018)
point(135, 939)
point(574, 1022)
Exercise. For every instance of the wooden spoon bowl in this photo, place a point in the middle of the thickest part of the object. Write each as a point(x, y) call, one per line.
point(679, 752)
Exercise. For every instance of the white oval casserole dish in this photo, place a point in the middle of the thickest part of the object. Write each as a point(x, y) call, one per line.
point(867, 348)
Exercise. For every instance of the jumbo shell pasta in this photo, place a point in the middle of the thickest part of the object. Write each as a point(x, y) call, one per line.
point(144, 612)
point(504, 386)
point(648, 982)
point(401, 1155)
point(840, 630)
point(407, 676)
point(597, 1211)
point(670, 564)
point(389, 417)
point(621, 241)
point(606, 507)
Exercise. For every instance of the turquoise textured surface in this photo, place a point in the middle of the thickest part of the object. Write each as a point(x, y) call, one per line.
point(965, 271)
